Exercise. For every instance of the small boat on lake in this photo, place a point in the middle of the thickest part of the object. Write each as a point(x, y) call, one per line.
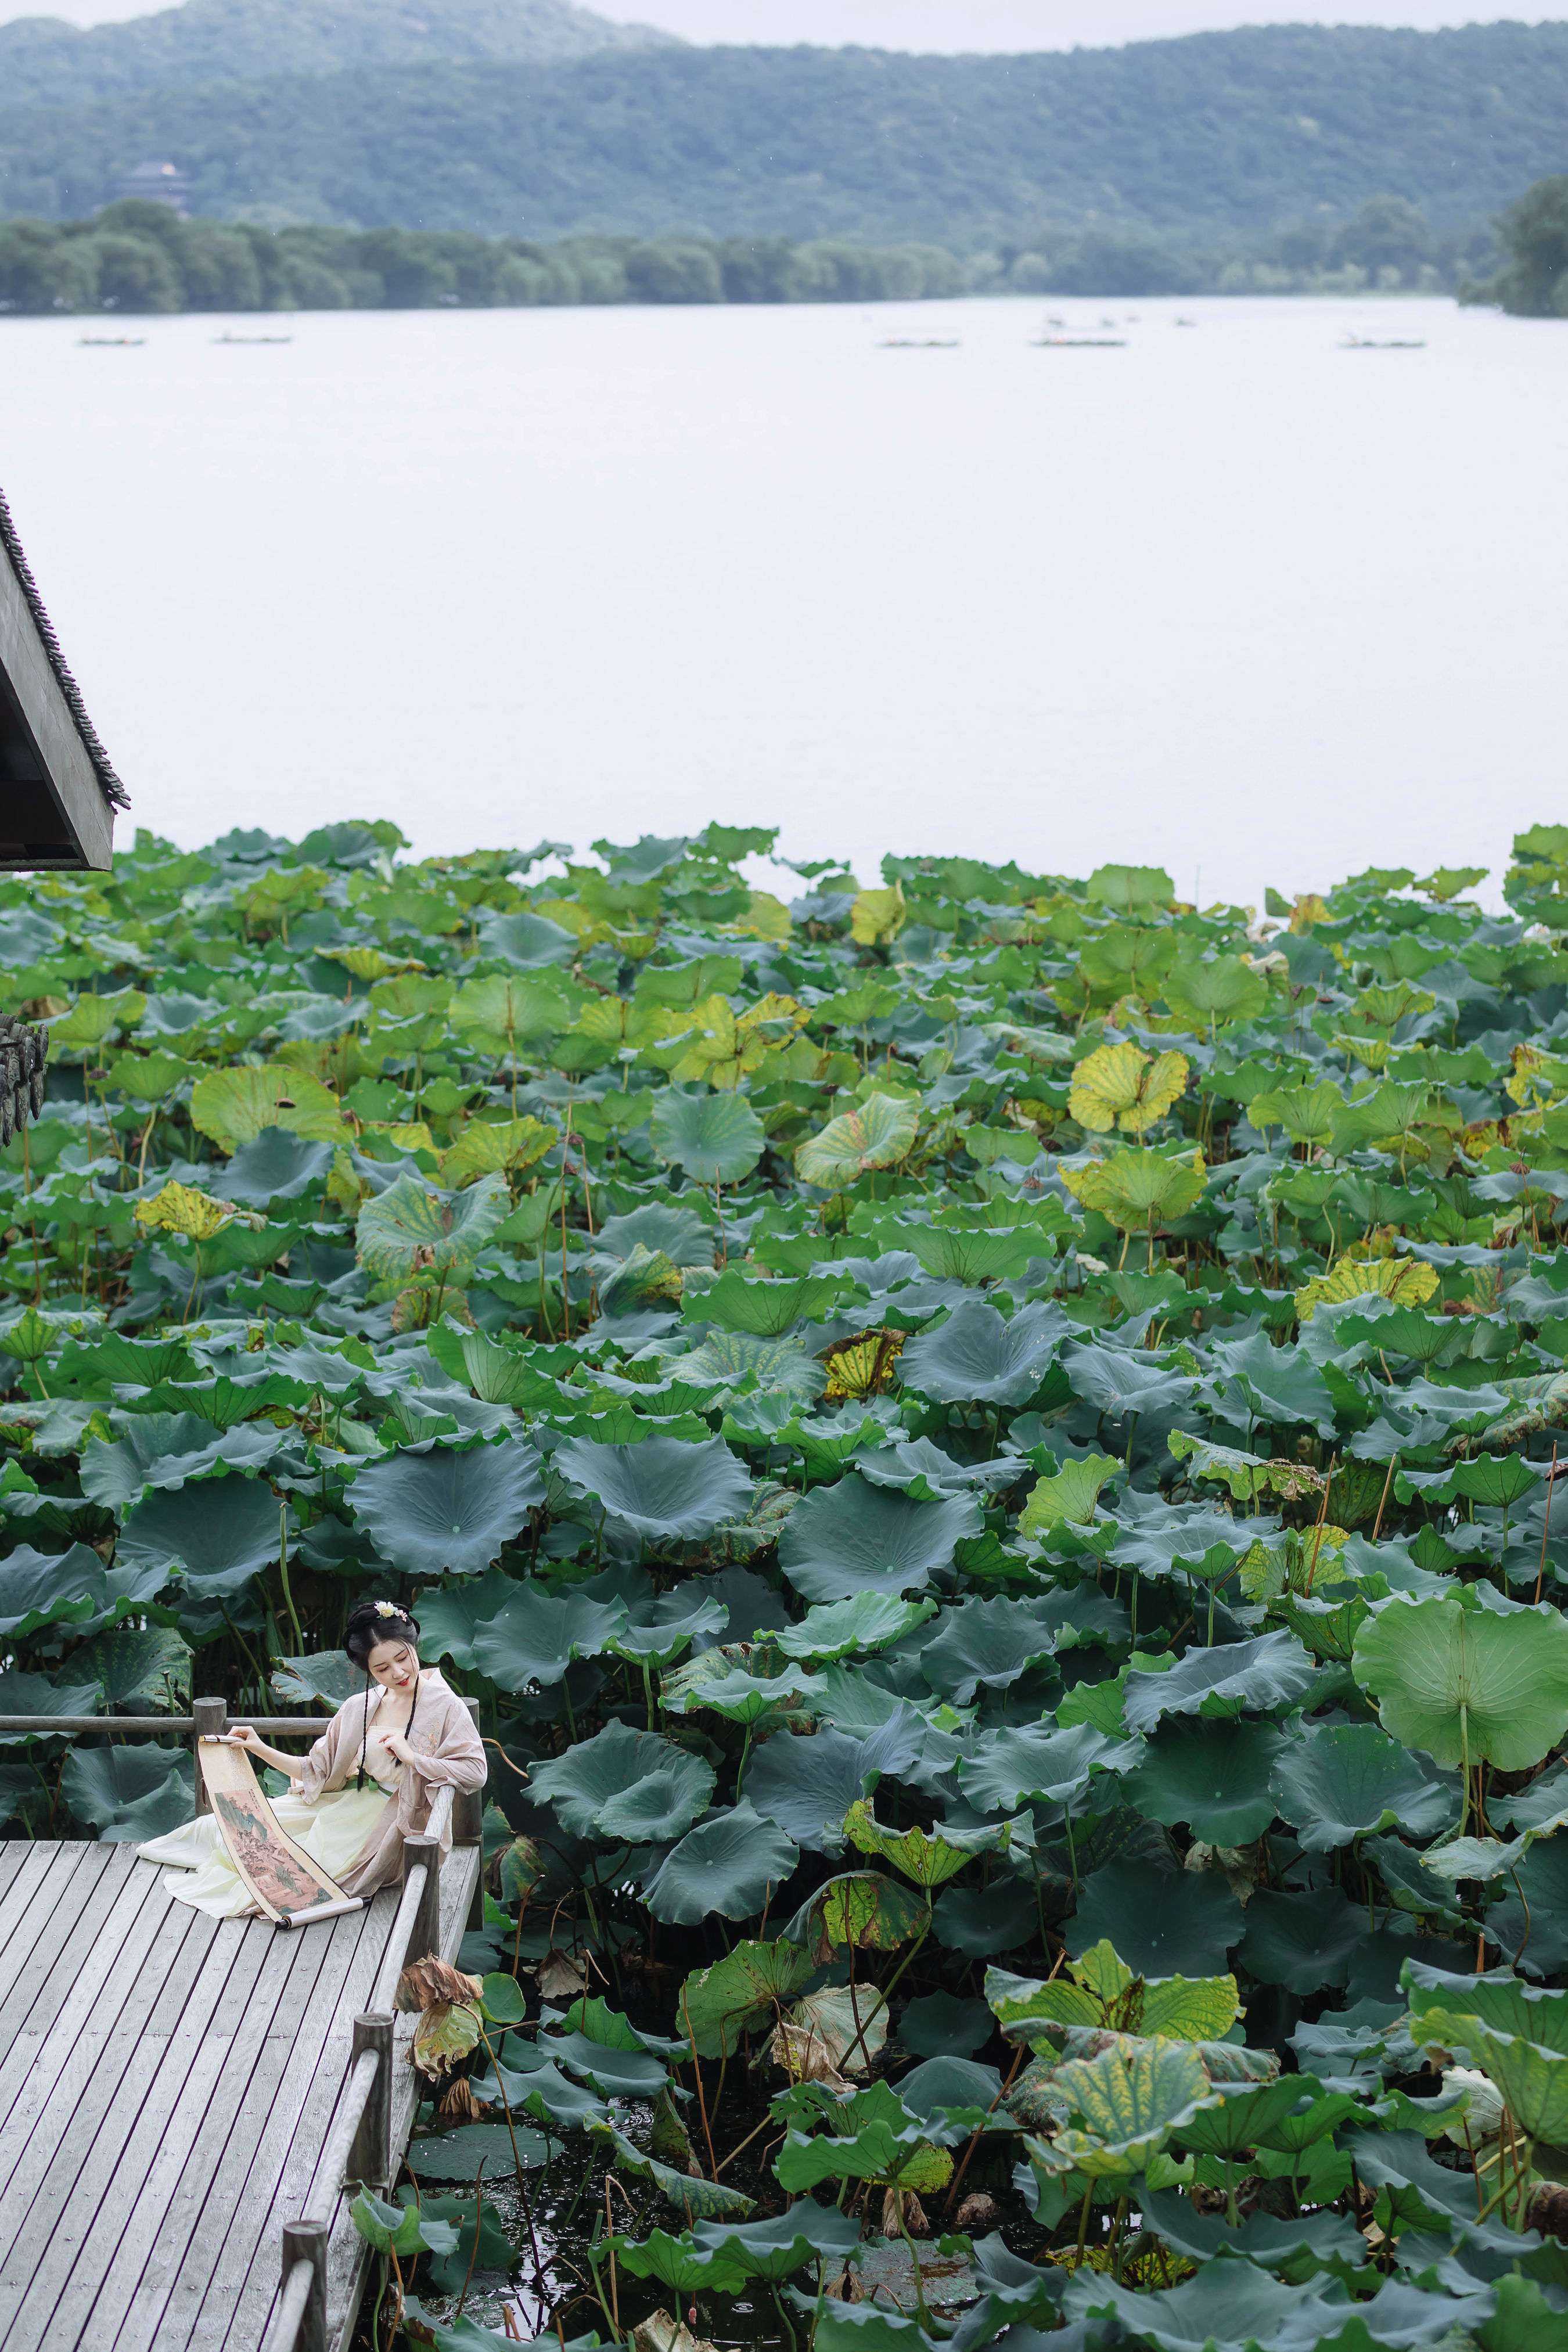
point(1368, 343)
point(1080, 344)
point(112, 342)
point(253, 339)
point(914, 343)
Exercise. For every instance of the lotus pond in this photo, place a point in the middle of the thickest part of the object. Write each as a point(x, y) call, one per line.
point(985, 1446)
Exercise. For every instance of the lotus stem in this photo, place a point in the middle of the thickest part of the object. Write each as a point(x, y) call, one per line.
point(283, 1571)
point(473, 2255)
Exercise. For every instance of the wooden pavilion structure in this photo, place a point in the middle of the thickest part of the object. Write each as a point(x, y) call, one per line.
point(58, 792)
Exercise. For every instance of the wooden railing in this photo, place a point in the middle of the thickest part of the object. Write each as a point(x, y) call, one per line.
point(358, 2147)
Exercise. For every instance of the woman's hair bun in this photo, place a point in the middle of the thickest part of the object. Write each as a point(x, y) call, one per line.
point(374, 1622)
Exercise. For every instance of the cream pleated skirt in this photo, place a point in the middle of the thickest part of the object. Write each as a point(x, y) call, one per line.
point(333, 1832)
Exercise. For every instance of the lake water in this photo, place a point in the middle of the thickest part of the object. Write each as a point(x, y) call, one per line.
point(1231, 597)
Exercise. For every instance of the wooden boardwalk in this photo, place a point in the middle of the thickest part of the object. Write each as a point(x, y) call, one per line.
point(167, 2082)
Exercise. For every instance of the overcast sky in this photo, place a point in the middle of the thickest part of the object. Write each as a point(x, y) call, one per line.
point(1006, 24)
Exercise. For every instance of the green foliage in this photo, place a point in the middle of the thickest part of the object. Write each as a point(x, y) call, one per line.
point(1052, 1602)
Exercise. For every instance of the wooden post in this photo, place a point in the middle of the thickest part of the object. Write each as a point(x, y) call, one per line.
point(211, 1717)
point(468, 1829)
point(306, 2242)
point(424, 1935)
point(370, 2160)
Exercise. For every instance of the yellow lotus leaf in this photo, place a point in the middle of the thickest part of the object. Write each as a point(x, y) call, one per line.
point(412, 1135)
point(1406, 1279)
point(1139, 1189)
point(489, 1147)
point(863, 1367)
point(182, 1208)
point(877, 916)
point(1121, 1086)
point(766, 918)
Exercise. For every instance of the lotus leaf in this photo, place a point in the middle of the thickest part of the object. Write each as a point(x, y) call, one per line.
point(929, 1858)
point(164, 1449)
point(535, 1636)
point(879, 1134)
point(432, 1507)
point(412, 1228)
point(71, 1588)
point(728, 1865)
point(877, 2139)
point(866, 1620)
point(803, 2233)
point(456, 2155)
point(221, 1532)
point(1069, 1495)
point(662, 1490)
point(678, 2263)
point(1273, 1671)
point(738, 1357)
point(807, 1785)
point(141, 1788)
point(989, 1642)
point(855, 1538)
point(233, 1105)
point(978, 1357)
point(716, 1138)
point(1404, 1279)
point(142, 1669)
point(1347, 1781)
point(1139, 1191)
point(938, 2026)
point(1222, 989)
point(1117, 1085)
point(1466, 1686)
point(618, 1769)
point(753, 1982)
point(1302, 1941)
point(1165, 1923)
point(1212, 1776)
point(1129, 2102)
point(865, 1908)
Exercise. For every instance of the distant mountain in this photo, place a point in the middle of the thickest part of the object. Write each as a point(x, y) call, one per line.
point(44, 62)
point(1225, 131)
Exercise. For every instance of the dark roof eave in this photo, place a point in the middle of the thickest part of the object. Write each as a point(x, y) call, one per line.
point(108, 783)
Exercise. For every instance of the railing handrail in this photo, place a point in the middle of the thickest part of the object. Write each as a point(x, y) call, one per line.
point(411, 1905)
point(293, 2305)
point(300, 2271)
point(77, 1727)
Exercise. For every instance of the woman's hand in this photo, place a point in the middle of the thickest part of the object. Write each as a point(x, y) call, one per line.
point(396, 1744)
point(246, 1735)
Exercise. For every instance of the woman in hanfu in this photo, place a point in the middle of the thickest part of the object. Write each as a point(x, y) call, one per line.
point(368, 1782)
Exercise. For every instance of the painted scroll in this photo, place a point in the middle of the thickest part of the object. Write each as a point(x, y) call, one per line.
point(287, 1886)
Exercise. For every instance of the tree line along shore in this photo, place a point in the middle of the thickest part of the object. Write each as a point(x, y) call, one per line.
point(139, 257)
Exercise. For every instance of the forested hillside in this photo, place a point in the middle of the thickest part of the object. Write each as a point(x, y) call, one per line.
point(44, 62)
point(1237, 131)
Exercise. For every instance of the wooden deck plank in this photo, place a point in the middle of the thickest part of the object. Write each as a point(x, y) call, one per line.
point(13, 1854)
point(81, 2008)
point(155, 2060)
point(286, 2163)
point(236, 2214)
point(54, 1900)
point(256, 2053)
point(155, 2213)
point(42, 1989)
point(34, 1892)
point(170, 2084)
